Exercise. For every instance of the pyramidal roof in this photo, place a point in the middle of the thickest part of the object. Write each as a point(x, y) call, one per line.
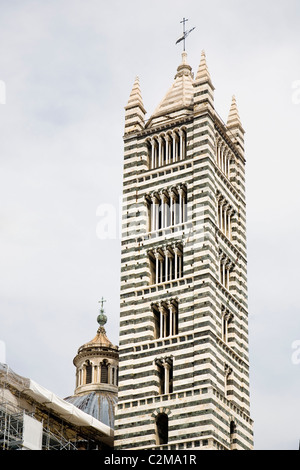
point(181, 94)
point(203, 73)
point(135, 98)
point(234, 117)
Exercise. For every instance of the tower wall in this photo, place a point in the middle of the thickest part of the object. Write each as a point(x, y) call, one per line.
point(197, 375)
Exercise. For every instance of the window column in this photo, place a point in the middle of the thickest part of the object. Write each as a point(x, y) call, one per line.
point(167, 377)
point(171, 196)
point(181, 192)
point(182, 144)
point(176, 251)
point(222, 268)
point(163, 322)
point(225, 218)
point(222, 215)
point(167, 254)
point(172, 319)
point(231, 213)
point(167, 148)
point(229, 267)
point(159, 151)
point(157, 266)
point(153, 213)
point(218, 151)
point(152, 153)
point(109, 373)
point(227, 163)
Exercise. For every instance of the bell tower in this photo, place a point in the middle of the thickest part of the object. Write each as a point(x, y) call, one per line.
point(184, 365)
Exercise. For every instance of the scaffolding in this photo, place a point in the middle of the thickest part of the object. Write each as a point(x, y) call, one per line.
point(11, 430)
point(12, 434)
point(31, 420)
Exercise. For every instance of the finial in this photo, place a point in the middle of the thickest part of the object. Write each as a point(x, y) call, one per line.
point(102, 318)
point(184, 58)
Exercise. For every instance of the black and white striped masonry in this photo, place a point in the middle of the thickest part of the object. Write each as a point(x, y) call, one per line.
point(184, 360)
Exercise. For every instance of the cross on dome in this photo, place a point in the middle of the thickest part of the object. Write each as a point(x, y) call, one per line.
point(102, 318)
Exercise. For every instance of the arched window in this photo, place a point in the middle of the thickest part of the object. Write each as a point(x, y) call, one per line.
point(149, 150)
point(232, 435)
point(161, 378)
point(113, 376)
point(104, 373)
point(162, 426)
point(88, 373)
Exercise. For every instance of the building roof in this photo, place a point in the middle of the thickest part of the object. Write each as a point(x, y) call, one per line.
point(181, 94)
point(99, 404)
point(67, 411)
point(100, 341)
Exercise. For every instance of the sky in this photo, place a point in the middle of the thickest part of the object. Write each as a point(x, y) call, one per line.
point(66, 71)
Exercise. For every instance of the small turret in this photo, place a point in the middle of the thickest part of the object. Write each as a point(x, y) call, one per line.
point(203, 87)
point(234, 126)
point(134, 110)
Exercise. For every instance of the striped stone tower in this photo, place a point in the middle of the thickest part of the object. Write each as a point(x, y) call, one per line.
point(184, 370)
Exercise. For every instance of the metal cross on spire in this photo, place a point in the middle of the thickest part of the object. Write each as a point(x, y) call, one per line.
point(102, 302)
point(185, 33)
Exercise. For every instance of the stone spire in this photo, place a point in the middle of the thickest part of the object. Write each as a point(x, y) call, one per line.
point(234, 126)
point(203, 87)
point(134, 110)
point(203, 73)
point(178, 100)
point(233, 116)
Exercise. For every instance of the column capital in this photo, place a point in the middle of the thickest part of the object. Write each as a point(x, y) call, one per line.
point(228, 370)
point(170, 305)
point(176, 249)
point(181, 190)
point(229, 264)
point(163, 195)
point(167, 252)
point(161, 308)
point(171, 193)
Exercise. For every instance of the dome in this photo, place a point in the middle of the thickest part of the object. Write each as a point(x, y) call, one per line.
point(97, 363)
point(100, 405)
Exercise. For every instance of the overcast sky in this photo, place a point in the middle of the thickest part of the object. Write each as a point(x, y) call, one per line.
point(68, 67)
